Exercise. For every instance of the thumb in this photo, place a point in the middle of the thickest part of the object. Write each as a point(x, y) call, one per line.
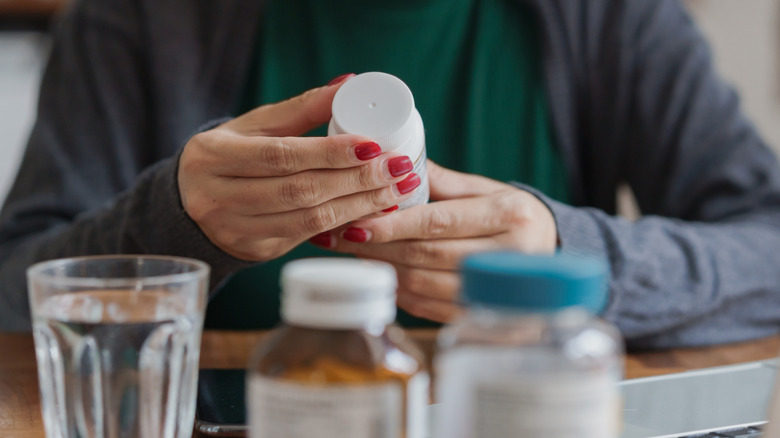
point(291, 117)
point(448, 184)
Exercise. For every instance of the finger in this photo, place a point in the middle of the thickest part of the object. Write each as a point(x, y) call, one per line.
point(228, 154)
point(308, 222)
point(449, 184)
point(428, 254)
point(461, 218)
point(436, 310)
point(291, 117)
point(257, 196)
point(429, 283)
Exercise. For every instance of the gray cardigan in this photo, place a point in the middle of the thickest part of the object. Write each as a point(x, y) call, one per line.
point(634, 99)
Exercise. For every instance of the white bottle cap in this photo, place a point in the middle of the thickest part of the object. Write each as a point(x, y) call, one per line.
point(379, 106)
point(338, 293)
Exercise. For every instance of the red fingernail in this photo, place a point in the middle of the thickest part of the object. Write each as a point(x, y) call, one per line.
point(410, 183)
point(391, 209)
point(322, 239)
point(368, 150)
point(339, 79)
point(399, 166)
point(353, 234)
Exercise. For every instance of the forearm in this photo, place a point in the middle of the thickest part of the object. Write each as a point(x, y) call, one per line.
point(679, 283)
point(147, 219)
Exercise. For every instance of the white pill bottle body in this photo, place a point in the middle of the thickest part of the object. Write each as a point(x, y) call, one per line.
point(380, 106)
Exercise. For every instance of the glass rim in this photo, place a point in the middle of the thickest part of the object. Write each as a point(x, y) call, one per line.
point(36, 272)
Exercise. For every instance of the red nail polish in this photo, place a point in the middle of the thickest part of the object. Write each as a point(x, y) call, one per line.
point(339, 79)
point(410, 183)
point(322, 239)
point(353, 234)
point(391, 209)
point(399, 166)
point(368, 150)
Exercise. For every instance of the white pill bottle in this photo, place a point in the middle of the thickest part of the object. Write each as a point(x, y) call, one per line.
point(380, 106)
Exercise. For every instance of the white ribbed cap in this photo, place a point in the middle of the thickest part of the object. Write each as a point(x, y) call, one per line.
point(379, 106)
point(338, 293)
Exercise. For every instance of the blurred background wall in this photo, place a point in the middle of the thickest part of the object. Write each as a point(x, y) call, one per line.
point(22, 55)
point(24, 46)
point(745, 36)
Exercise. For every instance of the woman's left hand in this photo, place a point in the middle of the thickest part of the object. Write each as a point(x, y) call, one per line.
point(427, 243)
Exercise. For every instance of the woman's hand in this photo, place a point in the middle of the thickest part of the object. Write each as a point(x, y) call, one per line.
point(426, 244)
point(257, 190)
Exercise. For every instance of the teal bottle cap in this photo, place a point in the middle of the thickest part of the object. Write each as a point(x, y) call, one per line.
point(537, 283)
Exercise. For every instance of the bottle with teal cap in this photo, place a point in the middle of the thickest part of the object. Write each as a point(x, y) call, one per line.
point(530, 357)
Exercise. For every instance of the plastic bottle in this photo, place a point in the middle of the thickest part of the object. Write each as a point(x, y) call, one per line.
point(529, 358)
point(337, 367)
point(381, 106)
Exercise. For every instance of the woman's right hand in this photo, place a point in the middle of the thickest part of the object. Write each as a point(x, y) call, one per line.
point(257, 190)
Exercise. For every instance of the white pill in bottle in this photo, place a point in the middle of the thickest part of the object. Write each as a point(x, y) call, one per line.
point(380, 106)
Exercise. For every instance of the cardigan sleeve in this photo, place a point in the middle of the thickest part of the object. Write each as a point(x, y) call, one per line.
point(91, 180)
point(702, 265)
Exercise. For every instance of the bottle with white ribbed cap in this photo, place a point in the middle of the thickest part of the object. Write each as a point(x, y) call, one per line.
point(381, 106)
point(338, 366)
point(530, 357)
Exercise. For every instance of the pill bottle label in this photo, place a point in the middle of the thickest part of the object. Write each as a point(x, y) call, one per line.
point(422, 193)
point(491, 392)
point(284, 409)
point(564, 407)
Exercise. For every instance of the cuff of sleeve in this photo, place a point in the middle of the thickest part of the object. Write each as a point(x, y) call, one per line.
point(580, 232)
point(211, 124)
point(158, 224)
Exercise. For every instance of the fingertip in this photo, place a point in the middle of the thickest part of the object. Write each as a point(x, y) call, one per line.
point(367, 150)
point(399, 166)
point(391, 209)
point(411, 182)
point(324, 240)
point(324, 95)
point(340, 79)
point(356, 235)
point(378, 228)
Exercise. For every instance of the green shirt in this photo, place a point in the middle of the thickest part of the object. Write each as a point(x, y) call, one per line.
point(474, 67)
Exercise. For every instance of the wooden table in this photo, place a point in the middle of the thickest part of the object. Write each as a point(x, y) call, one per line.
point(31, 7)
point(20, 415)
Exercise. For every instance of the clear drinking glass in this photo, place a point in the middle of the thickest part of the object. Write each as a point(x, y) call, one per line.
point(117, 340)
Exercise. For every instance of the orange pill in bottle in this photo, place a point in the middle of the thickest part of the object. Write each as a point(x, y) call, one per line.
point(338, 366)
